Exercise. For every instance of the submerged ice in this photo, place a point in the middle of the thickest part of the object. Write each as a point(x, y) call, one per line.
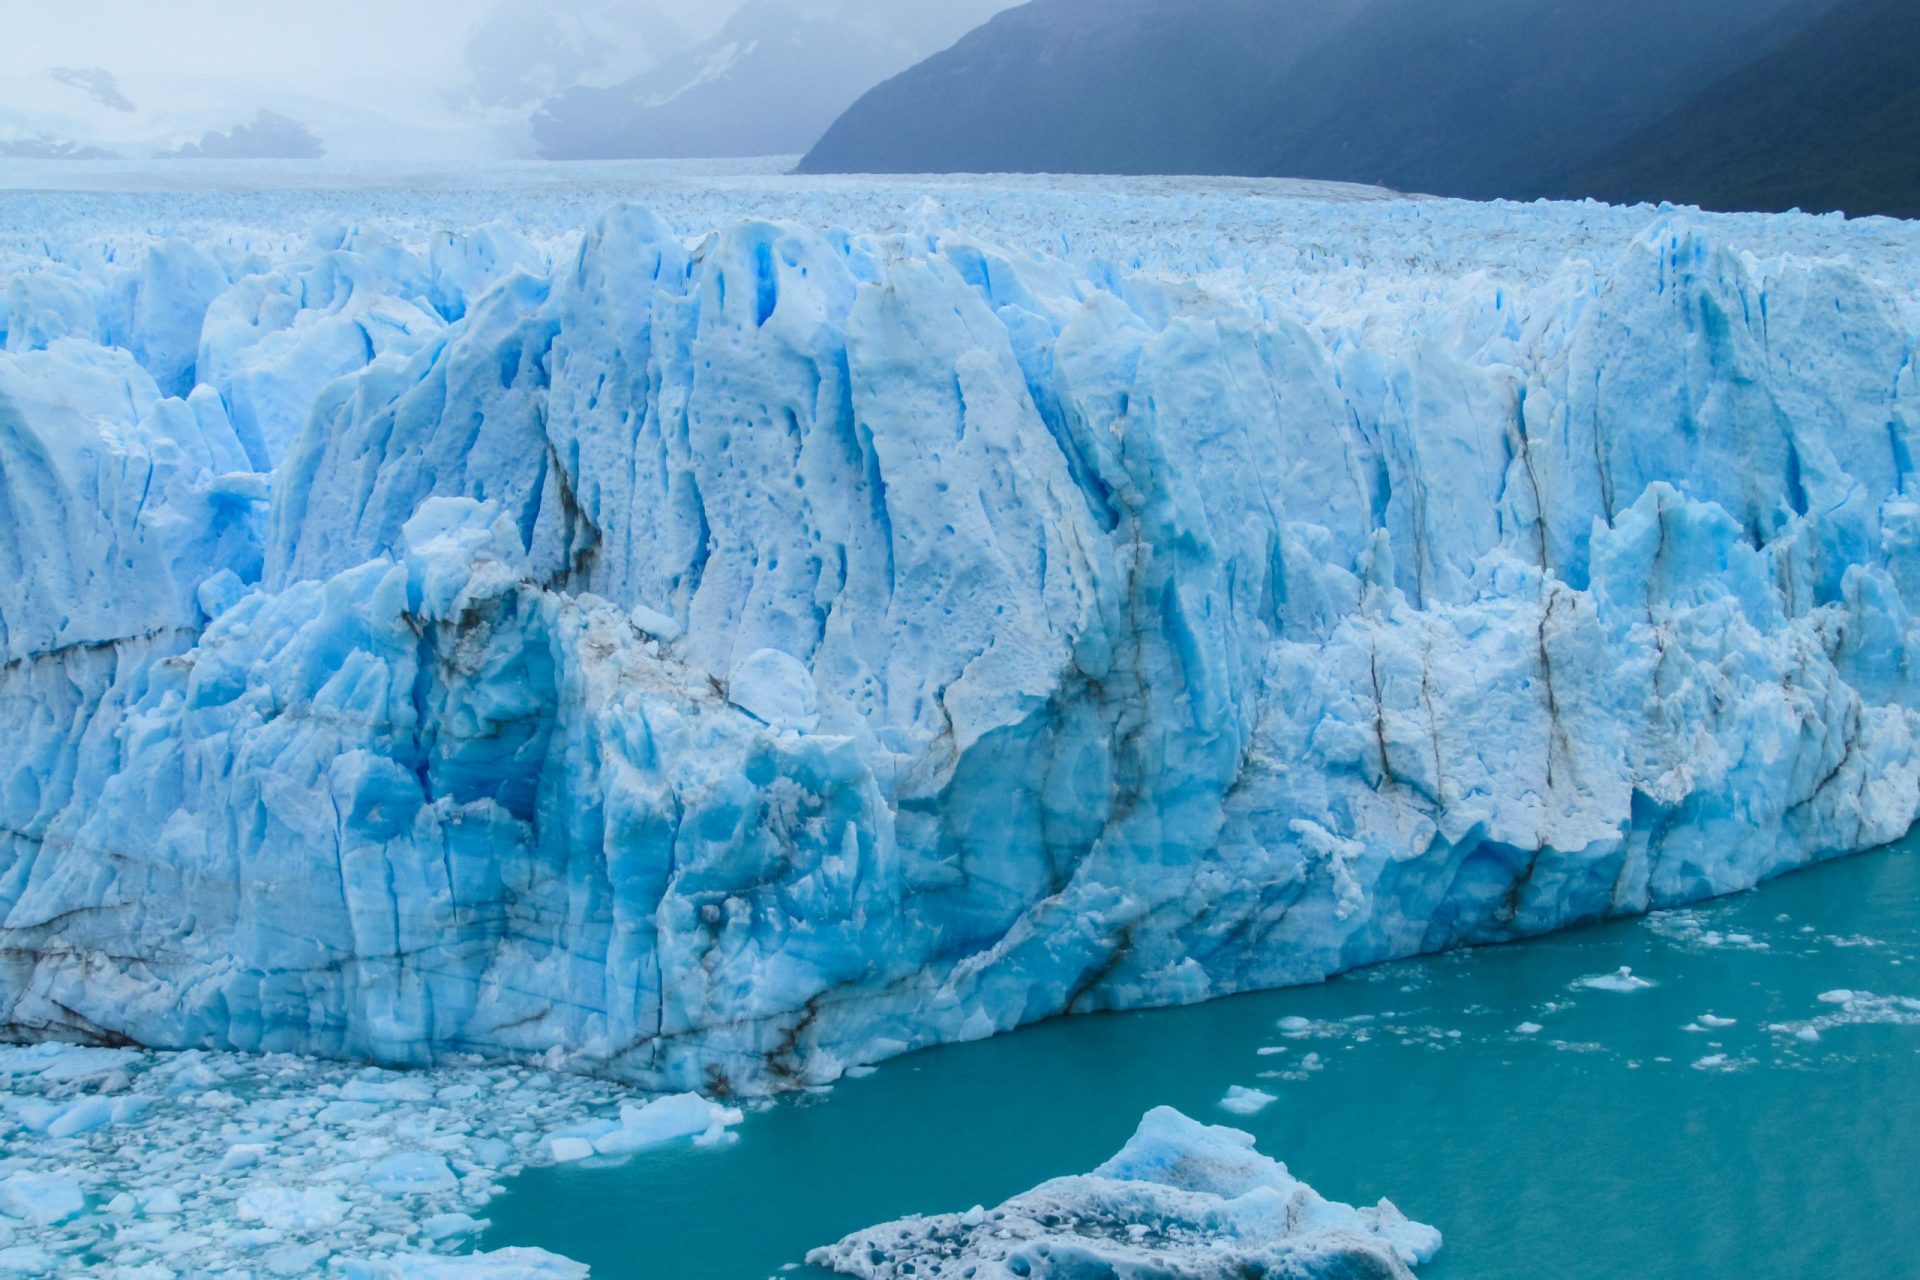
point(722, 659)
point(1181, 1201)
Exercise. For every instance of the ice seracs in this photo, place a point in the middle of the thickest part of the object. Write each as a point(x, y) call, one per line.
point(719, 650)
point(1181, 1199)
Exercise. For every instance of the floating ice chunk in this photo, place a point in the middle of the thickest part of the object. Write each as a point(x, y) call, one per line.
point(388, 1086)
point(243, 1155)
point(682, 1115)
point(160, 1203)
point(501, 1264)
point(567, 1150)
point(291, 1260)
point(70, 1118)
point(45, 1199)
point(1180, 1199)
point(1854, 1008)
point(446, 1226)
point(1620, 979)
point(408, 1173)
point(29, 1260)
point(1246, 1102)
point(56, 1063)
point(292, 1209)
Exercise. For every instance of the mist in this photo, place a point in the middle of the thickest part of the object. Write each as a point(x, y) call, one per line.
point(448, 79)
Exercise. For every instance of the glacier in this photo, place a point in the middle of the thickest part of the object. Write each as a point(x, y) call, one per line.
point(1181, 1201)
point(768, 625)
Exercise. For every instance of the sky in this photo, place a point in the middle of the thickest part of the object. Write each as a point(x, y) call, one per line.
point(308, 44)
point(313, 45)
point(359, 71)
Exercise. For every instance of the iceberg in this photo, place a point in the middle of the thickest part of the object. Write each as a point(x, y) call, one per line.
point(719, 653)
point(1181, 1200)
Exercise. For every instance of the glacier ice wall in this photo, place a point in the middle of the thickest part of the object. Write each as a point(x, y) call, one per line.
point(717, 660)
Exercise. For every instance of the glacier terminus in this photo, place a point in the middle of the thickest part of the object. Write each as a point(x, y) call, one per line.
point(735, 629)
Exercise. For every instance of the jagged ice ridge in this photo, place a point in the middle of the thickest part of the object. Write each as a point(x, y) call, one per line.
point(726, 651)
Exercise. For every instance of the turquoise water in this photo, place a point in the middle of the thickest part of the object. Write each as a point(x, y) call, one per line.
point(1612, 1143)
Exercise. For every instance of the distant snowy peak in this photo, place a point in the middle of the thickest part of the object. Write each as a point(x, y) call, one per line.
point(96, 113)
point(523, 52)
point(768, 83)
point(268, 136)
point(97, 83)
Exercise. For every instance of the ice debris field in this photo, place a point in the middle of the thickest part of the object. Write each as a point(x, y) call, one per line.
point(1181, 1200)
point(144, 1166)
point(714, 631)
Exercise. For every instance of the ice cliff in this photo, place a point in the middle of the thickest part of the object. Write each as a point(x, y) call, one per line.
point(717, 659)
point(1181, 1201)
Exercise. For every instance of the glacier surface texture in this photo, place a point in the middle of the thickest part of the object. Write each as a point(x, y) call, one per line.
point(1181, 1201)
point(782, 625)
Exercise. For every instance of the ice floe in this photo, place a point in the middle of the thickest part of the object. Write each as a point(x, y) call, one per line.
point(1181, 1200)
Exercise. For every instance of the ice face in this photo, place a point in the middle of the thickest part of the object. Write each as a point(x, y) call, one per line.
point(1180, 1200)
point(721, 659)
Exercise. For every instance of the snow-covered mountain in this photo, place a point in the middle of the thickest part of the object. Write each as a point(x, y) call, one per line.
point(768, 83)
point(717, 649)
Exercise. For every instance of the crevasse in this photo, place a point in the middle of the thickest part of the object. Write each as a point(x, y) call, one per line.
point(717, 663)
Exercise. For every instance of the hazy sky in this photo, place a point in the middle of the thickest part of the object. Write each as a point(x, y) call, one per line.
point(306, 42)
point(308, 45)
point(370, 77)
point(311, 46)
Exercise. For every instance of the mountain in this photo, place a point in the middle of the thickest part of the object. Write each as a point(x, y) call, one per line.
point(520, 53)
point(269, 136)
point(1473, 98)
point(1828, 120)
point(768, 83)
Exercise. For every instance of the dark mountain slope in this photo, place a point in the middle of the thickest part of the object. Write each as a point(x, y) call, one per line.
point(1091, 86)
point(1486, 98)
point(1828, 120)
point(1473, 98)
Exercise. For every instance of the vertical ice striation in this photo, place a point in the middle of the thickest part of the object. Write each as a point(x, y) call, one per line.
point(725, 660)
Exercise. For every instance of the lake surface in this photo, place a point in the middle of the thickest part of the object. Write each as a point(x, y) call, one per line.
point(1636, 1133)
